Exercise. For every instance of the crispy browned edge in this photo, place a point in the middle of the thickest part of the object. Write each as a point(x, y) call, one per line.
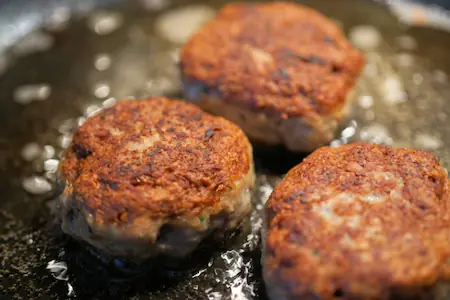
point(196, 161)
point(297, 244)
point(309, 72)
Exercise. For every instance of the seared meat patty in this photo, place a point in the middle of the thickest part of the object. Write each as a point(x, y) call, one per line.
point(155, 177)
point(359, 221)
point(281, 71)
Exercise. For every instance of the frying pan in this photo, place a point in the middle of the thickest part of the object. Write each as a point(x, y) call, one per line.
point(62, 60)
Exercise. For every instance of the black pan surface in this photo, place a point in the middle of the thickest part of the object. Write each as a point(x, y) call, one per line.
point(55, 77)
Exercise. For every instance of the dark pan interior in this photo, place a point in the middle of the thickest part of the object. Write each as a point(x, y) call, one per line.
point(51, 81)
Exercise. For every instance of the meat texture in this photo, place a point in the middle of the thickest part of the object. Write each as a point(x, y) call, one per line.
point(154, 178)
point(359, 221)
point(281, 71)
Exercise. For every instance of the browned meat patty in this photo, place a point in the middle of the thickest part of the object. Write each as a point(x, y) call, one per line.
point(281, 71)
point(359, 221)
point(155, 177)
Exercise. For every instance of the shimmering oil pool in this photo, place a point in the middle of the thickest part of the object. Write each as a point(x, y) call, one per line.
point(57, 76)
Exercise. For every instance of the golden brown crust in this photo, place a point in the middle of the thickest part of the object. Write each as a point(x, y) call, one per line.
point(158, 158)
point(359, 221)
point(284, 58)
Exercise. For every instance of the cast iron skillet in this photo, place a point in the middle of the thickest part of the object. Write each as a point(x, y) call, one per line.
point(51, 80)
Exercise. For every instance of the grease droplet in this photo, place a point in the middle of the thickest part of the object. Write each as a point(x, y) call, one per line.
point(427, 141)
point(35, 42)
point(102, 62)
point(392, 90)
point(36, 185)
point(179, 24)
point(365, 102)
point(48, 152)
point(104, 23)
point(33, 92)
point(51, 165)
point(31, 151)
point(109, 102)
point(365, 37)
point(101, 90)
point(376, 133)
point(58, 269)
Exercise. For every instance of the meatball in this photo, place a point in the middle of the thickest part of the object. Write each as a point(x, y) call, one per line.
point(281, 71)
point(154, 178)
point(359, 221)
